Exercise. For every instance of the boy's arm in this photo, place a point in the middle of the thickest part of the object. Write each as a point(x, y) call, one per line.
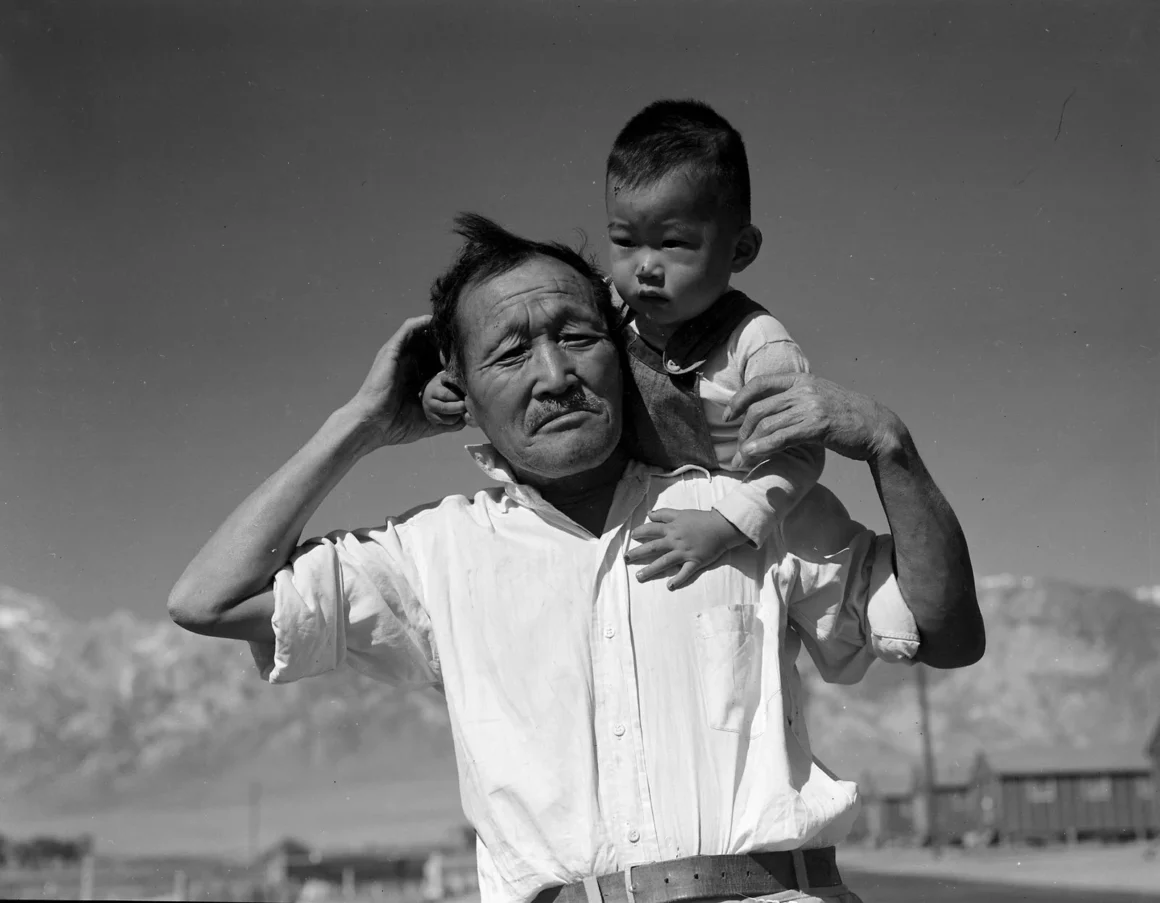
point(775, 486)
point(761, 504)
point(930, 554)
point(692, 540)
point(771, 491)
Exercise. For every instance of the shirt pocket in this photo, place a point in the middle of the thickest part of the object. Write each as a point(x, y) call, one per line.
point(734, 685)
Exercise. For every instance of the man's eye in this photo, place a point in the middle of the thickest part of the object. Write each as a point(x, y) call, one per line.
point(512, 355)
point(581, 339)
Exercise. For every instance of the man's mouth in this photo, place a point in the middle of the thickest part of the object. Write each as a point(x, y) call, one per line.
point(560, 418)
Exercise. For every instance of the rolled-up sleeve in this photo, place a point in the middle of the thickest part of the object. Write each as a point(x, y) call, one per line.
point(349, 598)
point(848, 609)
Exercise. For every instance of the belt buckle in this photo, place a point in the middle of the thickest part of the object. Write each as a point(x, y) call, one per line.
point(629, 890)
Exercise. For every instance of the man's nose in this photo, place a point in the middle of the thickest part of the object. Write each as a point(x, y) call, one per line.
point(554, 371)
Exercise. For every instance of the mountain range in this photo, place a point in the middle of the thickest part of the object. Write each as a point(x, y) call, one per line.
point(154, 739)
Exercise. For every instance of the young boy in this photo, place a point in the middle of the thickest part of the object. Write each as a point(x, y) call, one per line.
point(677, 197)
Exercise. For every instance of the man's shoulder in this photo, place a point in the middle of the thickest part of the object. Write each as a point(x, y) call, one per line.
point(689, 486)
point(456, 506)
point(819, 526)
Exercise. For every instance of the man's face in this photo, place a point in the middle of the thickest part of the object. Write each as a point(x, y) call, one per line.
point(671, 250)
point(541, 373)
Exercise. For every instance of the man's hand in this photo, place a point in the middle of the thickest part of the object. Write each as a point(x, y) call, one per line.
point(787, 409)
point(389, 403)
point(691, 540)
point(443, 402)
point(219, 593)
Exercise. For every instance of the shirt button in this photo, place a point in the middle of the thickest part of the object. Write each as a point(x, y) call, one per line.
point(618, 730)
point(610, 632)
point(633, 835)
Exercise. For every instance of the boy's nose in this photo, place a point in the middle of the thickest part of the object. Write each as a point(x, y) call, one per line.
point(649, 270)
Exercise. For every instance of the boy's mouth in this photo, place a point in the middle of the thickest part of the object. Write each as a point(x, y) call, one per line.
point(651, 298)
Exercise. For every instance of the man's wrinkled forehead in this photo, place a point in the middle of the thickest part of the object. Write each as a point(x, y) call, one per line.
point(538, 289)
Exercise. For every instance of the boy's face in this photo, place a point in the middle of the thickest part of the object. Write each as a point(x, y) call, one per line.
point(672, 248)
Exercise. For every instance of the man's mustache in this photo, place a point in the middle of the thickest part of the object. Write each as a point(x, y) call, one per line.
point(565, 404)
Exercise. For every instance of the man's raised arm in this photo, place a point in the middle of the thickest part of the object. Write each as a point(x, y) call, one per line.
point(932, 563)
point(216, 594)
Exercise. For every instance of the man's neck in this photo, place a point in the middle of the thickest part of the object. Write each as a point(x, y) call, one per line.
point(585, 498)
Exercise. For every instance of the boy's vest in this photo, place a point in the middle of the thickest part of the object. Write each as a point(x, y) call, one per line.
point(666, 424)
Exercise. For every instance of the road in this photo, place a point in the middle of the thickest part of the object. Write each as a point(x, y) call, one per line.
point(915, 889)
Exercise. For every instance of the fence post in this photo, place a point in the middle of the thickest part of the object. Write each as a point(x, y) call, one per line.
point(348, 883)
point(434, 887)
point(180, 886)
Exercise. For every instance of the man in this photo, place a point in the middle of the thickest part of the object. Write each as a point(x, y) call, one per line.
point(601, 721)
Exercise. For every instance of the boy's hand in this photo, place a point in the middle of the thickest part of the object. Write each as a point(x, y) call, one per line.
point(443, 402)
point(691, 540)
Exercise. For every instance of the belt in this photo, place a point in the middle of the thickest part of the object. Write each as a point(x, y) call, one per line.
point(698, 877)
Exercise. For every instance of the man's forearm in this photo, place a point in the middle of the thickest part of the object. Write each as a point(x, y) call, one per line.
point(258, 538)
point(932, 562)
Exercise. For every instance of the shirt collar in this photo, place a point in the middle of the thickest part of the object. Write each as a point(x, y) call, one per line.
point(495, 467)
point(491, 462)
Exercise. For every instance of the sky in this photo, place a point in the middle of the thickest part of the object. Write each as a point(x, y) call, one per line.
point(213, 214)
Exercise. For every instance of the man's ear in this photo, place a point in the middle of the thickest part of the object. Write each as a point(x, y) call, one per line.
point(452, 375)
point(746, 248)
point(468, 413)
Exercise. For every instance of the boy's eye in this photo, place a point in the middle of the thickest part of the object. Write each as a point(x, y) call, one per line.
point(674, 243)
point(621, 242)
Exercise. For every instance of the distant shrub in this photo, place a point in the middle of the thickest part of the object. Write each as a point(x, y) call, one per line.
point(37, 852)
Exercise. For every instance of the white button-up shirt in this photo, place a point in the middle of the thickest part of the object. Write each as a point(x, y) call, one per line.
point(601, 722)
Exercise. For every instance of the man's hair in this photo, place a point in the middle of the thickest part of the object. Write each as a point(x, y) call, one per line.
point(489, 250)
point(672, 135)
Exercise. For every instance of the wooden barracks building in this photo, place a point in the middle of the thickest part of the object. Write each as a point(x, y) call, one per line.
point(1029, 796)
point(1065, 795)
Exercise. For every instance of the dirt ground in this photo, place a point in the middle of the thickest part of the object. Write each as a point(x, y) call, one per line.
point(1102, 869)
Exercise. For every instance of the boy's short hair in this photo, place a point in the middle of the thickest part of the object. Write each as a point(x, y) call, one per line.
point(490, 250)
point(669, 135)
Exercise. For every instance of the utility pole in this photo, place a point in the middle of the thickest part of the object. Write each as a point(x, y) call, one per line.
point(88, 870)
point(928, 772)
point(255, 818)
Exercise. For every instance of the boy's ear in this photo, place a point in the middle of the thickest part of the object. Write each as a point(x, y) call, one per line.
point(747, 247)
